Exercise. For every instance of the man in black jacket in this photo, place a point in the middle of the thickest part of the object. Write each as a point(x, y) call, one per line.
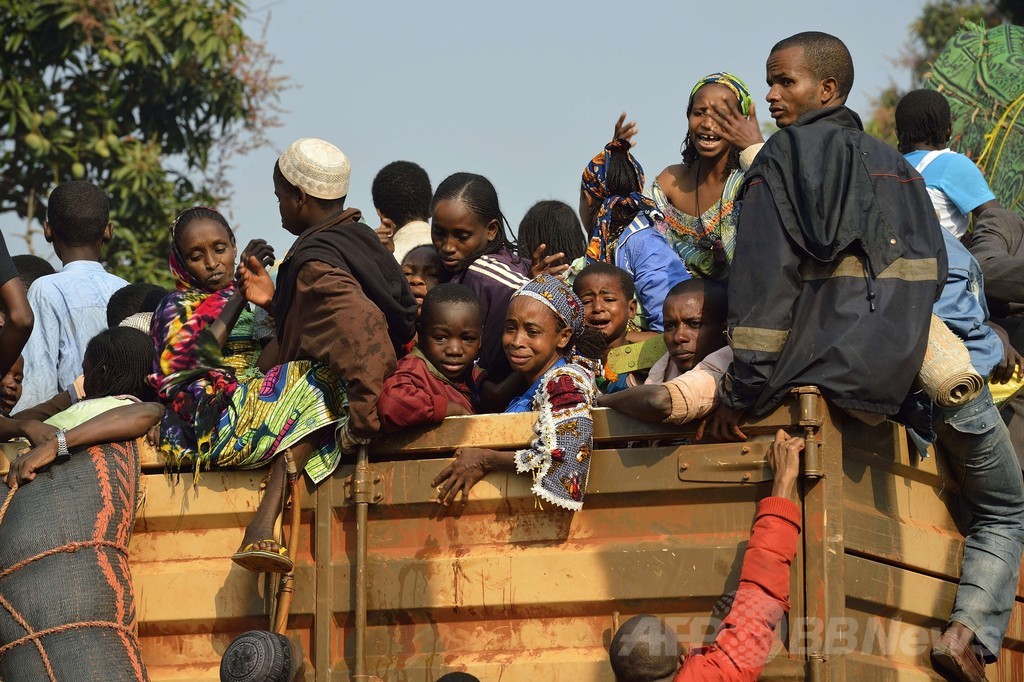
point(998, 244)
point(839, 257)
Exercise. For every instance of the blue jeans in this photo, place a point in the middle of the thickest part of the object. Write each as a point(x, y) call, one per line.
point(983, 462)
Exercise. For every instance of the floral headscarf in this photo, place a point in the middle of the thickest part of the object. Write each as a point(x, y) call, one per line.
point(192, 386)
point(595, 176)
point(726, 79)
point(558, 296)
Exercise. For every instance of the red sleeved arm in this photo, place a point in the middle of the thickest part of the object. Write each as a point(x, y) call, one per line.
point(745, 638)
point(408, 400)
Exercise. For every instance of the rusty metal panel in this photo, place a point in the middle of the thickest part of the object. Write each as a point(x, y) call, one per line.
point(904, 548)
point(190, 598)
point(513, 591)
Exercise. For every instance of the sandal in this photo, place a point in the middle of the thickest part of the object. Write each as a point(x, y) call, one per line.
point(264, 560)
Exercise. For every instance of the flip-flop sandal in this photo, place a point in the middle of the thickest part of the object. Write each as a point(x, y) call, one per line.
point(263, 560)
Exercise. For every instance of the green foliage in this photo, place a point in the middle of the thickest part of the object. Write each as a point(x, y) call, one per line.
point(145, 99)
point(940, 20)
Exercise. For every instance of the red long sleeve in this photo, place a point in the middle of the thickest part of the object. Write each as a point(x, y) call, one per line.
point(745, 638)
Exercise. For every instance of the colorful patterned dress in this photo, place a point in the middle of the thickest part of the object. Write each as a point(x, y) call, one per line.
point(692, 237)
point(559, 456)
point(222, 411)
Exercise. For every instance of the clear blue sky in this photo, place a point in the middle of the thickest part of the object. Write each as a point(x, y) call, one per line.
point(522, 92)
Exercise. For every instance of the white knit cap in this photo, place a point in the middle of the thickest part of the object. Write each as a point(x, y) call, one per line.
point(316, 167)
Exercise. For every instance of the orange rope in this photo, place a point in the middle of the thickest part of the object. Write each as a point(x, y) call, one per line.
point(7, 502)
point(35, 636)
point(69, 547)
point(20, 620)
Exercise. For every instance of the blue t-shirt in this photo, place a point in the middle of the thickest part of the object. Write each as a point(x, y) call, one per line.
point(957, 176)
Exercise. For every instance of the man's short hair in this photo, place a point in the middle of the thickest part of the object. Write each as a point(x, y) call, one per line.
point(30, 268)
point(716, 296)
point(825, 55)
point(644, 649)
point(78, 212)
point(402, 193)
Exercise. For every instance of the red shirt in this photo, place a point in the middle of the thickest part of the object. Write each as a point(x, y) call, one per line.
point(417, 393)
point(745, 638)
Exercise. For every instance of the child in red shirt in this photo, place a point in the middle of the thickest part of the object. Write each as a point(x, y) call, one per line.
point(438, 378)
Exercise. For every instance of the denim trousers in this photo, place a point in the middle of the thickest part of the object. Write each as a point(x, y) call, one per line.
point(982, 461)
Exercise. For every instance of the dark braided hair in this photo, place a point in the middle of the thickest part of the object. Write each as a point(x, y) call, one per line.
point(478, 195)
point(588, 342)
point(401, 192)
point(120, 360)
point(190, 215)
point(689, 150)
point(553, 223)
point(922, 116)
point(621, 181)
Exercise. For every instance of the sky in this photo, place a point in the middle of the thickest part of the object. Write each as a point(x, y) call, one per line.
point(524, 92)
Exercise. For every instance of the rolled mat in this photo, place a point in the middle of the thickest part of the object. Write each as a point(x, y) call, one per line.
point(947, 375)
point(67, 607)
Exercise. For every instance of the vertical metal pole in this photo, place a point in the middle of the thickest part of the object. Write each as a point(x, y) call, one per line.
point(361, 488)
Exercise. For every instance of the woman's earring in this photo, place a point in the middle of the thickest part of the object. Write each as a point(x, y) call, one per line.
point(682, 145)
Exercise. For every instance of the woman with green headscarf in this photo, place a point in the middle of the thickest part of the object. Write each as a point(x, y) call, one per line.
point(697, 196)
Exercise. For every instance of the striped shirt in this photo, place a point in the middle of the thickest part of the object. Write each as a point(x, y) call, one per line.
point(494, 278)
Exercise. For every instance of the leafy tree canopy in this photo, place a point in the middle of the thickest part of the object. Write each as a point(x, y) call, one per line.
point(145, 99)
point(939, 21)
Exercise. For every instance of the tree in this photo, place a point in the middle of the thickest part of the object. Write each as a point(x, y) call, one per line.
point(939, 21)
point(146, 99)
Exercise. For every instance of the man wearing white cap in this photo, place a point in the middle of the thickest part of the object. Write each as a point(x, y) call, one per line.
point(341, 298)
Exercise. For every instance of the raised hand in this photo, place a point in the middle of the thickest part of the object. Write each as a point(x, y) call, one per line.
point(738, 130)
point(625, 131)
point(263, 251)
point(553, 265)
point(254, 282)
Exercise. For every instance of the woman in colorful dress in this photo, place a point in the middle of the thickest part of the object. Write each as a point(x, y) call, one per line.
point(698, 196)
point(223, 410)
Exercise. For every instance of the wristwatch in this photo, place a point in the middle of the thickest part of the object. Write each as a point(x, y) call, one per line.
point(63, 454)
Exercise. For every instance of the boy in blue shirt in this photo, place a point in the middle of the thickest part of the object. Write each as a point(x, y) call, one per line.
point(955, 184)
point(70, 306)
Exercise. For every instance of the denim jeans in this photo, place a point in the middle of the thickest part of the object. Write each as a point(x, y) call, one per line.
point(983, 462)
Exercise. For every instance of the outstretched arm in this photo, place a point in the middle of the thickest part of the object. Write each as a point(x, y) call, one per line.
point(119, 424)
point(745, 638)
point(649, 403)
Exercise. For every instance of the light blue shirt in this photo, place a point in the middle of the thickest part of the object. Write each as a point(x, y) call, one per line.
point(957, 176)
point(962, 307)
point(645, 254)
point(70, 308)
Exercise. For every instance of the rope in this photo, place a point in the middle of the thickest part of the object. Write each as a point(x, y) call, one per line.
point(36, 636)
point(7, 502)
point(20, 620)
point(69, 547)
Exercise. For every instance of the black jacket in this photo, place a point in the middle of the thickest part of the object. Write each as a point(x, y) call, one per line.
point(838, 261)
point(998, 244)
